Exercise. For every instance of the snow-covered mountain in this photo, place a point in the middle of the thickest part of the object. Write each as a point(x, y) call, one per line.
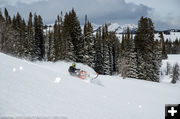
point(118, 29)
point(46, 89)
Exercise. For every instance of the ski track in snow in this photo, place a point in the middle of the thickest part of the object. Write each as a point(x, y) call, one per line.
point(47, 89)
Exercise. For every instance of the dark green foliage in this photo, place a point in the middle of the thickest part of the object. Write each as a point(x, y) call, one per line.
point(88, 45)
point(128, 60)
point(172, 47)
point(1, 16)
point(38, 37)
point(69, 53)
point(176, 73)
point(7, 17)
point(107, 48)
point(106, 51)
point(58, 38)
point(176, 47)
point(163, 47)
point(148, 53)
point(30, 39)
point(76, 36)
point(99, 53)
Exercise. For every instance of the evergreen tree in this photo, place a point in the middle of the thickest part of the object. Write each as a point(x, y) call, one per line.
point(69, 53)
point(176, 73)
point(89, 51)
point(23, 38)
point(132, 68)
point(1, 17)
point(76, 35)
point(9, 38)
point(176, 47)
point(164, 53)
point(98, 53)
point(38, 37)
point(115, 52)
point(7, 17)
point(128, 62)
point(168, 46)
point(106, 55)
point(112, 47)
point(147, 55)
point(58, 38)
point(168, 68)
point(30, 39)
point(51, 51)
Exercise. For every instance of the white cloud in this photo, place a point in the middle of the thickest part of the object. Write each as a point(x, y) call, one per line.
point(164, 11)
point(100, 11)
point(15, 2)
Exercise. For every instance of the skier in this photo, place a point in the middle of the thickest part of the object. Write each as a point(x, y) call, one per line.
point(72, 69)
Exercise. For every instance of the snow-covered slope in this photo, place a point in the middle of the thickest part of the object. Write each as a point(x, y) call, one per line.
point(171, 37)
point(46, 89)
point(172, 60)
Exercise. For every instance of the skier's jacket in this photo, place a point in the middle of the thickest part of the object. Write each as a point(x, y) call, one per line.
point(72, 69)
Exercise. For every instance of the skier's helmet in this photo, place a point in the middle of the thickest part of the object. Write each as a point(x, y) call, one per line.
point(73, 65)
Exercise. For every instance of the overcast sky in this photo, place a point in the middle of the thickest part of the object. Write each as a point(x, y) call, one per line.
point(164, 13)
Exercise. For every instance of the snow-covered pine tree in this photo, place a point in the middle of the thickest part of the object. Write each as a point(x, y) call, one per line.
point(132, 68)
point(86, 40)
point(30, 38)
point(46, 42)
point(168, 68)
point(68, 52)
point(176, 73)
point(146, 55)
point(19, 42)
point(23, 39)
point(89, 38)
point(76, 35)
point(168, 46)
point(58, 38)
point(125, 54)
point(9, 38)
point(98, 53)
point(20, 26)
point(114, 46)
point(163, 48)
point(106, 55)
point(156, 62)
point(51, 51)
point(38, 37)
point(56, 41)
point(121, 55)
point(176, 47)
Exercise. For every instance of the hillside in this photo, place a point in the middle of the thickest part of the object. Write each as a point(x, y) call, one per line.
point(47, 89)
